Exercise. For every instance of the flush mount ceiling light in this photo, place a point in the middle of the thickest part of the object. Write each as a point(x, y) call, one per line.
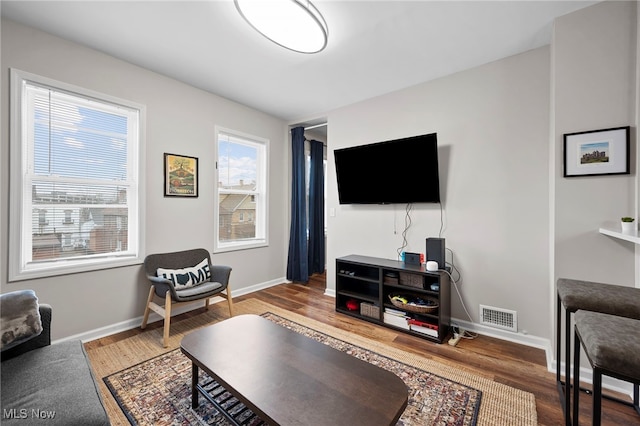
point(294, 24)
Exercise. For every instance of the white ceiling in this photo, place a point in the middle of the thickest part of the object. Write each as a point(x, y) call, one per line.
point(375, 47)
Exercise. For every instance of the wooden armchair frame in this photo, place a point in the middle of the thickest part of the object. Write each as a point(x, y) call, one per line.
point(218, 285)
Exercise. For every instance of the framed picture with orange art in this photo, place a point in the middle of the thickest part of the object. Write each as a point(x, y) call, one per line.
point(180, 176)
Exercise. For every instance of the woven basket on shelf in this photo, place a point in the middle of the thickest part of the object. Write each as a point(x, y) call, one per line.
point(411, 280)
point(369, 310)
point(418, 309)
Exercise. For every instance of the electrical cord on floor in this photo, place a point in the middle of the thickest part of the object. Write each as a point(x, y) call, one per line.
point(466, 334)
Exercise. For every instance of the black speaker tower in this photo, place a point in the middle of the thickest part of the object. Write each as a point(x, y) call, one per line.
point(435, 251)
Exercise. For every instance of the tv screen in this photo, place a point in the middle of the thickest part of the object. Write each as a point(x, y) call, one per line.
point(396, 171)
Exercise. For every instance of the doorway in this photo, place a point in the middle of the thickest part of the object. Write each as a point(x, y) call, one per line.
point(315, 135)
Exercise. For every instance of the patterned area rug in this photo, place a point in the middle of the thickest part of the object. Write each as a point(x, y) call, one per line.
point(158, 391)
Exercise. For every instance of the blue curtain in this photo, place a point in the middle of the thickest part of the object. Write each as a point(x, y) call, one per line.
point(297, 262)
point(316, 209)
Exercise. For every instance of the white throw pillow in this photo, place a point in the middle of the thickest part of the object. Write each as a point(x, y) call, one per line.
point(187, 277)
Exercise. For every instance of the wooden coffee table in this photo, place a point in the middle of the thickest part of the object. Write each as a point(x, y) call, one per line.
point(289, 379)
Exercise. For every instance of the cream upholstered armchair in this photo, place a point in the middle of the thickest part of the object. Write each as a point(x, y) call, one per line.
point(183, 276)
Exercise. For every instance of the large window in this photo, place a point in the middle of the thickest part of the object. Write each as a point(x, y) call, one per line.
point(75, 179)
point(241, 198)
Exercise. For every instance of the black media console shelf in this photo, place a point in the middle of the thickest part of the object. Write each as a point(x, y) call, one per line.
point(363, 286)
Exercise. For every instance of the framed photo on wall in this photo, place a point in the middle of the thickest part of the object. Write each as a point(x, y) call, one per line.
point(180, 176)
point(597, 152)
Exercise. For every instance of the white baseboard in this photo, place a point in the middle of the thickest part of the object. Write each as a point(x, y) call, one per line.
point(586, 374)
point(523, 339)
point(153, 317)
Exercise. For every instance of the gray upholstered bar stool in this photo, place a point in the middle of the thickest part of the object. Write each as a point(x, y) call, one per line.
point(612, 345)
point(590, 296)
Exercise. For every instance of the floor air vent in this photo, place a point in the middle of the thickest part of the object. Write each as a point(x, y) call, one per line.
point(500, 318)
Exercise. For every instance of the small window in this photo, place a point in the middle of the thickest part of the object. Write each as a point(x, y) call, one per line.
point(241, 198)
point(75, 195)
point(42, 217)
point(67, 217)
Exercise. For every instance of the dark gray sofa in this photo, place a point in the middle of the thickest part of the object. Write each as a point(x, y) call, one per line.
point(49, 384)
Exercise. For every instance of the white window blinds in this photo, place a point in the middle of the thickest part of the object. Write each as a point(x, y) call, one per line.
point(79, 160)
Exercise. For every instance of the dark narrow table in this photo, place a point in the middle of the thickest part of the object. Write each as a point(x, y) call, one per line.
point(289, 379)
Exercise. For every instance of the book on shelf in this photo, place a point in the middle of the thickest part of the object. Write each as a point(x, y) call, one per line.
point(423, 327)
point(423, 330)
point(396, 320)
point(395, 312)
point(418, 323)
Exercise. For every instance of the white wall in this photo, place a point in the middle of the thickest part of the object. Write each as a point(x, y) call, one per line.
point(514, 223)
point(595, 87)
point(180, 119)
point(594, 75)
point(636, 193)
point(492, 124)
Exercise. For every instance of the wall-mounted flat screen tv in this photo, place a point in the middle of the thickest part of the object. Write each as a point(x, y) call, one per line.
point(395, 171)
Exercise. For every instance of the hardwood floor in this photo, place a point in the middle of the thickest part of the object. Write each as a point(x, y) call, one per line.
point(515, 365)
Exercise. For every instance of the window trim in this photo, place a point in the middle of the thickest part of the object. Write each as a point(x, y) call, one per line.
point(18, 218)
point(219, 247)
